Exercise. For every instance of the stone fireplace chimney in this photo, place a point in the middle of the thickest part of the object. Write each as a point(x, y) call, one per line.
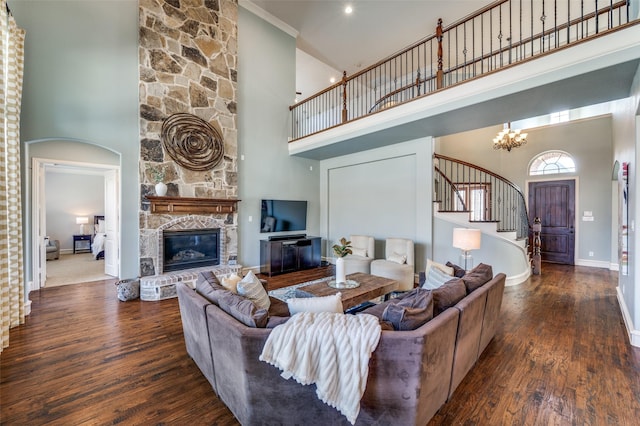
point(188, 59)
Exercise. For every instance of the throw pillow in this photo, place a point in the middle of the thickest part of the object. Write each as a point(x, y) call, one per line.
point(410, 312)
point(435, 278)
point(448, 295)
point(477, 277)
point(444, 268)
point(378, 310)
point(359, 251)
point(208, 286)
point(251, 288)
point(458, 271)
point(231, 282)
point(332, 303)
point(397, 258)
point(243, 310)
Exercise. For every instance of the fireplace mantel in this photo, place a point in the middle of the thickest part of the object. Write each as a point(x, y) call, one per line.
point(185, 205)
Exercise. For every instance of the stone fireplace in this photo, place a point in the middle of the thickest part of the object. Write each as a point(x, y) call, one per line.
point(188, 54)
point(190, 248)
point(161, 285)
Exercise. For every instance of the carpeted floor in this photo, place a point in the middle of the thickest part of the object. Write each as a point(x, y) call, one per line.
point(75, 268)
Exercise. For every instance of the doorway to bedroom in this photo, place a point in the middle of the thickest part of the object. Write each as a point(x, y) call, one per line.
point(75, 222)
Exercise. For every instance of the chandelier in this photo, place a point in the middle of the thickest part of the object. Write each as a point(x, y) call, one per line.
point(508, 138)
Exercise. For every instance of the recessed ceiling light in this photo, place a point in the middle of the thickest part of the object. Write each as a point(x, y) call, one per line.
point(348, 9)
point(332, 80)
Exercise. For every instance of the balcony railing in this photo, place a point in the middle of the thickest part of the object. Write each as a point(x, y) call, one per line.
point(487, 197)
point(503, 33)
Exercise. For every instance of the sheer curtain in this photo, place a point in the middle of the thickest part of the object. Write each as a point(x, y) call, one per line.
point(11, 259)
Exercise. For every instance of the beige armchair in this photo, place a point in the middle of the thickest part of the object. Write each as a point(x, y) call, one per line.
point(398, 263)
point(53, 249)
point(363, 248)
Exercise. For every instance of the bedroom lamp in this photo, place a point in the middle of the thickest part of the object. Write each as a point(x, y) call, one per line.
point(82, 220)
point(466, 240)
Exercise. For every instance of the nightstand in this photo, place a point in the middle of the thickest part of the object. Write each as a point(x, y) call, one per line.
point(81, 243)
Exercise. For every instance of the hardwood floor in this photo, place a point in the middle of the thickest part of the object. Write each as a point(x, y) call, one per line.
point(561, 356)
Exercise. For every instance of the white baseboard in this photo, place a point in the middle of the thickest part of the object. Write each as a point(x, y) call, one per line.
point(634, 335)
point(517, 279)
point(593, 263)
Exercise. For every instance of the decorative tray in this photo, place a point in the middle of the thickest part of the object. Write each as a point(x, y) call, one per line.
point(347, 284)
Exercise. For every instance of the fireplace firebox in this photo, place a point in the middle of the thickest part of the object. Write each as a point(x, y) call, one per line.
point(190, 248)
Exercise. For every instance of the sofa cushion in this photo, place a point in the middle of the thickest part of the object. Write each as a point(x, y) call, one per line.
point(411, 312)
point(359, 251)
point(332, 303)
point(275, 320)
point(458, 271)
point(243, 309)
point(397, 258)
point(448, 295)
point(477, 277)
point(435, 278)
point(251, 288)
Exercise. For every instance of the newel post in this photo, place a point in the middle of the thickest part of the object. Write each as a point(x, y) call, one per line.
point(537, 258)
point(439, 73)
point(344, 96)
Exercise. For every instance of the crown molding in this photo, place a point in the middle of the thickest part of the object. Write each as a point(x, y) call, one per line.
point(261, 13)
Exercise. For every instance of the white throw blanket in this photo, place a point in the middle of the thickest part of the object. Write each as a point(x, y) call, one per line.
point(328, 349)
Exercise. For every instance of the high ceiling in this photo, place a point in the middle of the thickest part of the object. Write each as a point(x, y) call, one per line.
point(374, 30)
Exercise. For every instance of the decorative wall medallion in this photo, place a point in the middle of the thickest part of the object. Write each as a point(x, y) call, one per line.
point(192, 142)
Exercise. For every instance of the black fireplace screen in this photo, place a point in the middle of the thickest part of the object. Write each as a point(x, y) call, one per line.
point(190, 248)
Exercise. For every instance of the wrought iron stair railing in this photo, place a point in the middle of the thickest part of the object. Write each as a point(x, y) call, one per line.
point(487, 197)
point(504, 33)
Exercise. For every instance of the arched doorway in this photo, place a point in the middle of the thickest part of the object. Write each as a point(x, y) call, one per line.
point(81, 159)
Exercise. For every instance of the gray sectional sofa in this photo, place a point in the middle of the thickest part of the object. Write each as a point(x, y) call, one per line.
point(411, 373)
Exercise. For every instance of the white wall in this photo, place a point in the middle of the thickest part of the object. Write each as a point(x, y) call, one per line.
point(63, 205)
point(626, 137)
point(384, 192)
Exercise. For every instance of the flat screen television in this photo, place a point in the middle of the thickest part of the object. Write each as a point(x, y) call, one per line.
point(283, 215)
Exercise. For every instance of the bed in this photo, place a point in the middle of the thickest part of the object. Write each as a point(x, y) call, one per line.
point(99, 236)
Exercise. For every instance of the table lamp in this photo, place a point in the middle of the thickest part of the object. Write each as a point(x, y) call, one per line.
point(82, 220)
point(466, 240)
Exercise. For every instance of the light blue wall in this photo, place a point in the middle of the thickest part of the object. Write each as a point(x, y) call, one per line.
point(81, 83)
point(266, 88)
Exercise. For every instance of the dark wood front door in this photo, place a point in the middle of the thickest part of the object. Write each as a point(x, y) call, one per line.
point(554, 203)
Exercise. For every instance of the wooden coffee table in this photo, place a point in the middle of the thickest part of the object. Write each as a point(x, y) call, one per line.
point(370, 287)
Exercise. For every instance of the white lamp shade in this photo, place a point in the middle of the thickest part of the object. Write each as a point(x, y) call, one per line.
point(82, 220)
point(466, 239)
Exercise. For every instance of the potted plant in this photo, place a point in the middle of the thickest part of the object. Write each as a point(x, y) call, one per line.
point(157, 173)
point(341, 250)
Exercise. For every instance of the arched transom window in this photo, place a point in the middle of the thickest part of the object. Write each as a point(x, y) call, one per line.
point(552, 162)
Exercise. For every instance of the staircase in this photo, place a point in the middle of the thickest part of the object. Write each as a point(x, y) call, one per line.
point(471, 196)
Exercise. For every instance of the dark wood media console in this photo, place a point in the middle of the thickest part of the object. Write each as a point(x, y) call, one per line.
point(289, 255)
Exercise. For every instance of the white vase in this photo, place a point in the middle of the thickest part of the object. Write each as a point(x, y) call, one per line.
point(161, 189)
point(340, 276)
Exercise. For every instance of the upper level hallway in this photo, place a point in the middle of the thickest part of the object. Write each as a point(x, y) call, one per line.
point(589, 72)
